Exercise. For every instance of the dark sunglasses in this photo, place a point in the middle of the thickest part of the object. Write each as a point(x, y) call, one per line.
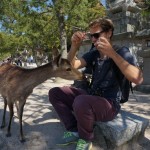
point(96, 35)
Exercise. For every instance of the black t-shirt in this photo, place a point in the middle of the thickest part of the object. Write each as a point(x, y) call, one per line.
point(104, 81)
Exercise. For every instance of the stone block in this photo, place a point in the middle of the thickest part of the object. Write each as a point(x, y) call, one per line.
point(124, 128)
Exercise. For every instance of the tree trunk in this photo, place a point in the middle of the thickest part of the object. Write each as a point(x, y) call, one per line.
point(63, 35)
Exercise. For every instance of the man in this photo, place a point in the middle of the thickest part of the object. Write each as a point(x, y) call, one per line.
point(79, 109)
point(87, 71)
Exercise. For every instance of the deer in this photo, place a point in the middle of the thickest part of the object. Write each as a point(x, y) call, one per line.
point(17, 83)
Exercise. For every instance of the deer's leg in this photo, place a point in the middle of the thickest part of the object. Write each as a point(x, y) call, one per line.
point(21, 107)
point(17, 107)
point(4, 113)
point(11, 113)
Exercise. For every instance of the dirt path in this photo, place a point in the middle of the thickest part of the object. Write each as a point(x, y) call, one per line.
point(42, 126)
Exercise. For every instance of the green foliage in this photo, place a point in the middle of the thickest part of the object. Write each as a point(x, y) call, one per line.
point(145, 7)
point(5, 55)
point(146, 12)
point(34, 23)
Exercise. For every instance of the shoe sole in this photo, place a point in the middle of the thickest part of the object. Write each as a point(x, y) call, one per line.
point(90, 147)
point(67, 143)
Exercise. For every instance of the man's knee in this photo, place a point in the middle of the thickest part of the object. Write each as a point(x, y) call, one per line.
point(79, 103)
point(52, 93)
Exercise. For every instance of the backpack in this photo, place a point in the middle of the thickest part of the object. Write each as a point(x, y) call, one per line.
point(125, 87)
point(124, 83)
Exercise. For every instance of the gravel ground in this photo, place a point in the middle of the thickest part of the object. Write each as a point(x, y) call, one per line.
point(42, 127)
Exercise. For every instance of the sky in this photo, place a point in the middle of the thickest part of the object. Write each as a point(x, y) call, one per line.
point(103, 2)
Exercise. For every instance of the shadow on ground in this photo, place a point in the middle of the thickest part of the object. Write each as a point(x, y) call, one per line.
point(42, 127)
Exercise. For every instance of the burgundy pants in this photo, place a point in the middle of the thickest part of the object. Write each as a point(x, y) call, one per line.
point(79, 111)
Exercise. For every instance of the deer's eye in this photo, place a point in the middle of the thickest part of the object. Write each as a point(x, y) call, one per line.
point(68, 69)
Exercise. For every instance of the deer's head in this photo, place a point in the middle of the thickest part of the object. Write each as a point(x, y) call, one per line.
point(63, 68)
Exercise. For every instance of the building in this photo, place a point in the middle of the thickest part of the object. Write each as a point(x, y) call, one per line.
point(130, 28)
point(133, 31)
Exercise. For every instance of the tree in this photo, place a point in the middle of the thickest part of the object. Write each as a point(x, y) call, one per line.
point(144, 5)
point(44, 24)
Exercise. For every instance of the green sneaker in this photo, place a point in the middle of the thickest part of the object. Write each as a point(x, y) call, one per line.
point(83, 145)
point(68, 138)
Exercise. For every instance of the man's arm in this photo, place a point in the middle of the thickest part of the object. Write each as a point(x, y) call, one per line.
point(131, 72)
point(76, 42)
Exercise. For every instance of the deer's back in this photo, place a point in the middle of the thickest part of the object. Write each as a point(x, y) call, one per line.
point(4, 68)
point(12, 81)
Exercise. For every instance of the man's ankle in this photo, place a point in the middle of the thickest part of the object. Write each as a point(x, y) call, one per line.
point(75, 134)
point(68, 138)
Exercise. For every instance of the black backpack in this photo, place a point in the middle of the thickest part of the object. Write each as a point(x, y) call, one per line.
point(125, 84)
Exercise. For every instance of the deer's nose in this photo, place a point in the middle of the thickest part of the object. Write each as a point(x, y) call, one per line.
point(82, 77)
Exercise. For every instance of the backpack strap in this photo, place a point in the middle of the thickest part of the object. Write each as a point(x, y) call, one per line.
point(125, 84)
point(131, 87)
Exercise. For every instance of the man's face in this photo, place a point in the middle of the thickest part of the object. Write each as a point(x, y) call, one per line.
point(96, 32)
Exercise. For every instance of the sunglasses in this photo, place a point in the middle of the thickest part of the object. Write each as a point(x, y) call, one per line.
point(96, 35)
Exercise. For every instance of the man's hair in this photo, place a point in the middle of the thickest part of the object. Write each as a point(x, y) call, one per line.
point(105, 24)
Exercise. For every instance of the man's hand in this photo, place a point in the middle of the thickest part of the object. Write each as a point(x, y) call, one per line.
point(77, 38)
point(104, 47)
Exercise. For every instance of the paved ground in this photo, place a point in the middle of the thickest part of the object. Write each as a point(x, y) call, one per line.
point(42, 126)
